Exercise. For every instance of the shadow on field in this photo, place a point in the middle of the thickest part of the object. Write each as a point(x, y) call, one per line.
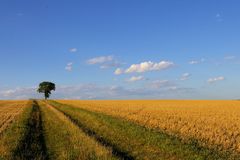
point(32, 146)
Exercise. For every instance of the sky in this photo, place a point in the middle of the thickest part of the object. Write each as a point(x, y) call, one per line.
point(120, 49)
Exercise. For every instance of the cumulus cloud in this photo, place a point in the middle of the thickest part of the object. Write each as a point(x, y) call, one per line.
point(215, 79)
point(145, 67)
point(118, 71)
point(135, 78)
point(69, 66)
point(149, 66)
point(73, 50)
point(104, 62)
point(185, 76)
point(100, 60)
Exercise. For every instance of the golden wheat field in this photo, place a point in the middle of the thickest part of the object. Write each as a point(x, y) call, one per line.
point(212, 123)
point(9, 110)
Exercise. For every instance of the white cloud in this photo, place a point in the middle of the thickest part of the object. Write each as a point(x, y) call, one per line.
point(69, 66)
point(8, 92)
point(104, 62)
point(149, 66)
point(19, 93)
point(162, 89)
point(91, 91)
point(185, 76)
point(135, 78)
point(73, 50)
point(118, 71)
point(100, 60)
point(215, 79)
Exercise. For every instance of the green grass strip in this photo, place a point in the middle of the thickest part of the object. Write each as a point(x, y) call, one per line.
point(136, 141)
point(64, 140)
point(32, 146)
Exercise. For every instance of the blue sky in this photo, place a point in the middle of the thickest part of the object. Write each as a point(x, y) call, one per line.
point(122, 49)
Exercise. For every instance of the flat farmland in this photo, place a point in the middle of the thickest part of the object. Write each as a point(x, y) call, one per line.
point(116, 130)
point(213, 124)
point(9, 110)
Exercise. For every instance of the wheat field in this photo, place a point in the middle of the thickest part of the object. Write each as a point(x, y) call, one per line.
point(120, 129)
point(9, 110)
point(214, 124)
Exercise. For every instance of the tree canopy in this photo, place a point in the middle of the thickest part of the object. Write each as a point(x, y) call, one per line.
point(46, 88)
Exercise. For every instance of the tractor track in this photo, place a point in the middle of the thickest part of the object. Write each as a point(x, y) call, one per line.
point(32, 146)
point(115, 150)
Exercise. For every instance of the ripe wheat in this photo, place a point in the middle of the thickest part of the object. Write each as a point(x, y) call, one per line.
point(8, 112)
point(212, 123)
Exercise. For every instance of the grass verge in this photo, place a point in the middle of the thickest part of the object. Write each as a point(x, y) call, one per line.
point(135, 141)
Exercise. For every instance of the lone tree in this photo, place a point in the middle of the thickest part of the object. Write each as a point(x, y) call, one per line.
point(46, 88)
